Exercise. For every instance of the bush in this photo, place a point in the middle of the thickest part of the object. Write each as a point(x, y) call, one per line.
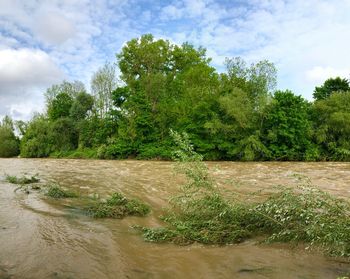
point(22, 180)
point(117, 206)
point(37, 140)
point(306, 215)
point(9, 144)
point(56, 192)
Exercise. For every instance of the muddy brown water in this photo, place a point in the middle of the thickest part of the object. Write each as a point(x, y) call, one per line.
point(45, 238)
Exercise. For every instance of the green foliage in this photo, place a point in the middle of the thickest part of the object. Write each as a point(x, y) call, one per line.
point(257, 80)
point(64, 134)
point(95, 131)
point(68, 106)
point(306, 215)
point(201, 214)
point(103, 83)
point(286, 127)
point(70, 88)
point(161, 151)
point(22, 180)
point(81, 105)
point(228, 116)
point(332, 125)
point(37, 140)
point(330, 86)
point(60, 106)
point(9, 143)
point(56, 192)
point(117, 206)
point(166, 85)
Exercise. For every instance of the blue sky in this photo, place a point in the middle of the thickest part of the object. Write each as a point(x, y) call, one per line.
point(44, 42)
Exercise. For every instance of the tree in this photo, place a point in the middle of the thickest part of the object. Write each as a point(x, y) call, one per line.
point(258, 79)
point(332, 125)
point(103, 82)
point(9, 143)
point(60, 106)
point(286, 128)
point(81, 105)
point(37, 141)
point(70, 88)
point(329, 86)
point(145, 64)
point(64, 135)
point(166, 86)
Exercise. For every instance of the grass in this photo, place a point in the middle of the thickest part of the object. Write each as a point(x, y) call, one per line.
point(118, 206)
point(296, 215)
point(22, 180)
point(56, 192)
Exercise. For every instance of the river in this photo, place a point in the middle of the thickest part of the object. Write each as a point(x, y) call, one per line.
point(45, 238)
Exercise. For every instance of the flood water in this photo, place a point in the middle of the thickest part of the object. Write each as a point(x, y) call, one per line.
point(45, 238)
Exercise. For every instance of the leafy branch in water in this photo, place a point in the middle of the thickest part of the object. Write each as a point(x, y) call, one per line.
point(22, 180)
point(56, 192)
point(118, 206)
point(200, 213)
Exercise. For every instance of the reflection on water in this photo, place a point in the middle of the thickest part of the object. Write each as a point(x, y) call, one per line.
point(43, 238)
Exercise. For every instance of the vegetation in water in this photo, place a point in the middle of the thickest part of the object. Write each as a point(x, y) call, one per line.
point(57, 192)
point(22, 180)
point(234, 115)
point(201, 214)
point(118, 206)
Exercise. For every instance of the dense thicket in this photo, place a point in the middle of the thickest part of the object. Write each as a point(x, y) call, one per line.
point(9, 143)
point(236, 115)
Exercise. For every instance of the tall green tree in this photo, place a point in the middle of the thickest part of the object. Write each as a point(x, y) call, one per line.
point(60, 106)
point(37, 141)
point(81, 106)
point(70, 88)
point(258, 80)
point(287, 128)
point(103, 83)
point(165, 84)
point(332, 125)
point(329, 86)
point(9, 143)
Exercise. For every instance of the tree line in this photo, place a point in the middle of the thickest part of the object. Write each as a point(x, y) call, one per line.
point(235, 115)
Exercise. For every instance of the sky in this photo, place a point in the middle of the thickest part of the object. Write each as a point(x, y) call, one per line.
point(43, 42)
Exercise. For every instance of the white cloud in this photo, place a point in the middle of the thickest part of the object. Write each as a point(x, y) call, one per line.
point(296, 35)
point(24, 75)
point(27, 67)
point(54, 28)
point(320, 74)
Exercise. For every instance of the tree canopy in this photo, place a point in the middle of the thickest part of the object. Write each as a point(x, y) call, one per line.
point(9, 143)
point(233, 115)
point(330, 86)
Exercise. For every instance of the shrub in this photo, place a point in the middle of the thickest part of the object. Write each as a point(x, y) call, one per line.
point(56, 192)
point(22, 180)
point(117, 206)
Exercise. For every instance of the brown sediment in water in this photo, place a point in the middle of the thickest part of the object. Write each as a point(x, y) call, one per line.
point(44, 238)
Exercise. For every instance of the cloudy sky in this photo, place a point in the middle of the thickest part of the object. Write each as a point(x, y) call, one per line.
point(43, 42)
